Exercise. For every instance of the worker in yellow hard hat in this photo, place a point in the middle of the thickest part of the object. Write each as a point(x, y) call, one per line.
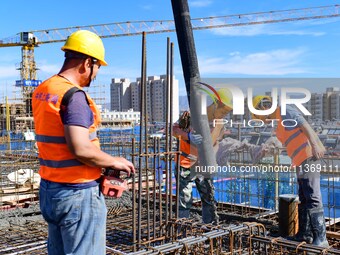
point(71, 161)
point(303, 147)
point(188, 158)
point(220, 108)
point(261, 102)
point(84, 44)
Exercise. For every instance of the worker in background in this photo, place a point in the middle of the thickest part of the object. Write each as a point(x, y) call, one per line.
point(303, 147)
point(71, 160)
point(188, 158)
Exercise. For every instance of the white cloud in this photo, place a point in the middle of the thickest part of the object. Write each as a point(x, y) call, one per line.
point(255, 30)
point(118, 72)
point(9, 62)
point(147, 7)
point(49, 69)
point(235, 53)
point(8, 71)
point(276, 62)
point(314, 22)
point(200, 3)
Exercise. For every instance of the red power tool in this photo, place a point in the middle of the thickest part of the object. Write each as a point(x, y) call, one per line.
point(112, 184)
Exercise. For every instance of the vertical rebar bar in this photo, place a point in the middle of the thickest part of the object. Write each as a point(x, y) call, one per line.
point(146, 149)
point(276, 162)
point(167, 125)
point(171, 67)
point(141, 149)
point(334, 203)
point(133, 196)
point(154, 186)
point(8, 126)
point(160, 181)
point(177, 178)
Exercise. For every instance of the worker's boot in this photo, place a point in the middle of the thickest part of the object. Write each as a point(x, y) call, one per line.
point(207, 193)
point(318, 225)
point(209, 214)
point(305, 233)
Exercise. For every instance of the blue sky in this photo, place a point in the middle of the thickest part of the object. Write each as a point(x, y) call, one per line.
point(292, 49)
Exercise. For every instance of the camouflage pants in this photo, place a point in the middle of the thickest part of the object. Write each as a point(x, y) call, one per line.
point(206, 190)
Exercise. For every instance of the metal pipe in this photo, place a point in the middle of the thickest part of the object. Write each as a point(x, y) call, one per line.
point(116, 251)
point(192, 77)
point(28, 250)
point(22, 246)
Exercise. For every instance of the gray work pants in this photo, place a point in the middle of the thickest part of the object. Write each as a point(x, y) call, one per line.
point(206, 190)
point(309, 185)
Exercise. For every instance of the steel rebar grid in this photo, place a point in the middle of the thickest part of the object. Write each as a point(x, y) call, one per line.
point(247, 238)
point(271, 245)
point(28, 239)
point(149, 193)
point(203, 239)
point(158, 238)
point(235, 189)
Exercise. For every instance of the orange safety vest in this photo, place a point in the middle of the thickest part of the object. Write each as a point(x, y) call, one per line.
point(188, 156)
point(57, 163)
point(296, 142)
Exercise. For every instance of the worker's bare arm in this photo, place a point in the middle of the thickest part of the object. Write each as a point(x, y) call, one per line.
point(78, 141)
point(318, 149)
point(178, 132)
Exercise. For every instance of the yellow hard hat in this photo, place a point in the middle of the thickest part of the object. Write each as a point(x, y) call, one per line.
point(226, 97)
point(88, 43)
point(260, 101)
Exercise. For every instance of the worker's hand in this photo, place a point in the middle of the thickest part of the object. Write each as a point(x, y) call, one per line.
point(124, 165)
point(318, 152)
point(195, 138)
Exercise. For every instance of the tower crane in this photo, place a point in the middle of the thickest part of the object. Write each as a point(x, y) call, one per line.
point(29, 40)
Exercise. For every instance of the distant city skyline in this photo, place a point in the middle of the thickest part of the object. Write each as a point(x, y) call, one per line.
point(126, 94)
point(323, 105)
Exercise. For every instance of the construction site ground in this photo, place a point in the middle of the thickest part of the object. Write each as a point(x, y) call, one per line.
point(24, 231)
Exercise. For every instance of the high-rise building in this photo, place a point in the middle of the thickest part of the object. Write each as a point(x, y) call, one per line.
point(120, 94)
point(332, 104)
point(315, 107)
point(135, 95)
point(127, 95)
point(323, 106)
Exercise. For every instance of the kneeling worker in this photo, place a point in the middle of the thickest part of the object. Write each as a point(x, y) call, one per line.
point(188, 158)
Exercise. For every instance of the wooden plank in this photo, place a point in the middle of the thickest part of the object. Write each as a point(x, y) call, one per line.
point(331, 234)
point(13, 190)
point(14, 199)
